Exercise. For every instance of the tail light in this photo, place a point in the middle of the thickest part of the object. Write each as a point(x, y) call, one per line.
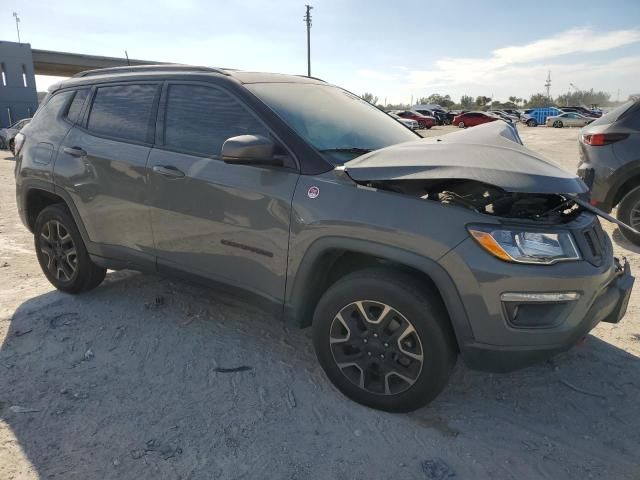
point(18, 142)
point(601, 139)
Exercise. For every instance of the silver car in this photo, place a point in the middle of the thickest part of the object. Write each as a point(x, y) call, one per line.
point(8, 134)
point(568, 120)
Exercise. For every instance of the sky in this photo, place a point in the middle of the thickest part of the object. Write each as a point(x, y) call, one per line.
point(397, 50)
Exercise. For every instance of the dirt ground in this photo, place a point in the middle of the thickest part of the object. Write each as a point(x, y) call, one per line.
point(129, 382)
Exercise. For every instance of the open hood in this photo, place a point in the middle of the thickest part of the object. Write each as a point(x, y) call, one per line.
point(491, 153)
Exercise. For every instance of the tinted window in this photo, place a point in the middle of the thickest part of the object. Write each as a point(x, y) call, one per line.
point(123, 111)
point(199, 119)
point(50, 109)
point(76, 105)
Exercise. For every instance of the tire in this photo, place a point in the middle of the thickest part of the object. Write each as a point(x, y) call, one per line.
point(429, 127)
point(67, 264)
point(629, 213)
point(461, 125)
point(412, 306)
point(532, 123)
point(557, 124)
point(421, 125)
point(12, 146)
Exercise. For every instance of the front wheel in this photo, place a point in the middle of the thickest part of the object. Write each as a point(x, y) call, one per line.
point(629, 213)
point(531, 123)
point(383, 341)
point(12, 146)
point(461, 125)
point(61, 252)
point(557, 124)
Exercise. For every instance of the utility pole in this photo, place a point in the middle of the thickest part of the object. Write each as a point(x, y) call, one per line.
point(307, 19)
point(126, 54)
point(547, 85)
point(15, 15)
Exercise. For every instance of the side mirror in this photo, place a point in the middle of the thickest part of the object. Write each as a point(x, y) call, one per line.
point(249, 150)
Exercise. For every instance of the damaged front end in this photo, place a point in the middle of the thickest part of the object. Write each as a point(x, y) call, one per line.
point(546, 208)
point(486, 169)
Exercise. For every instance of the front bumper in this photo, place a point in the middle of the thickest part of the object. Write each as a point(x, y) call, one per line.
point(610, 306)
point(497, 342)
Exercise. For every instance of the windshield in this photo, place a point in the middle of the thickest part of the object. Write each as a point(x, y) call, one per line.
point(337, 123)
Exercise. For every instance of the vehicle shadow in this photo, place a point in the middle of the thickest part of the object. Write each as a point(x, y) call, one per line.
point(151, 378)
point(622, 242)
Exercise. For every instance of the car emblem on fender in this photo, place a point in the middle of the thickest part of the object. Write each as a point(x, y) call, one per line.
point(313, 192)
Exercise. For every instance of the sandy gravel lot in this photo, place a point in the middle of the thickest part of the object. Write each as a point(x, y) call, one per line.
point(125, 382)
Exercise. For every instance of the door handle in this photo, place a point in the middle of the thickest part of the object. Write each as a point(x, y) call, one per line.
point(168, 171)
point(75, 151)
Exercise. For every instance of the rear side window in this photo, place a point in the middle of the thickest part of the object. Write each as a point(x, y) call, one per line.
point(614, 114)
point(123, 111)
point(73, 114)
point(52, 107)
point(199, 119)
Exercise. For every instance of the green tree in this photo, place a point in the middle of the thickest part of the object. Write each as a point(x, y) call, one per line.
point(369, 97)
point(539, 100)
point(466, 102)
point(482, 101)
point(584, 98)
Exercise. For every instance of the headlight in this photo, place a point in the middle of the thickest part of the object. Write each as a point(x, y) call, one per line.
point(525, 246)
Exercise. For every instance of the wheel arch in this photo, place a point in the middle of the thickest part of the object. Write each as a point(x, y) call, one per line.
point(626, 179)
point(330, 258)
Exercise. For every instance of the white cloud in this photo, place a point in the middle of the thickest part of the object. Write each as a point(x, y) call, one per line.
point(521, 70)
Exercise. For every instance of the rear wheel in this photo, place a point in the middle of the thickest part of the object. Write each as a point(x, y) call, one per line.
point(383, 341)
point(12, 146)
point(531, 123)
point(461, 125)
point(629, 213)
point(62, 254)
point(558, 124)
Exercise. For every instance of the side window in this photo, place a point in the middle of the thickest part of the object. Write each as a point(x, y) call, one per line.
point(199, 119)
point(75, 108)
point(48, 112)
point(123, 111)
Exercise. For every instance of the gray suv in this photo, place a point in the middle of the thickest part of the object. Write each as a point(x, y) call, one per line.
point(610, 164)
point(400, 252)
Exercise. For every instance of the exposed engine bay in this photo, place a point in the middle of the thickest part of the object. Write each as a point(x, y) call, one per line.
point(488, 199)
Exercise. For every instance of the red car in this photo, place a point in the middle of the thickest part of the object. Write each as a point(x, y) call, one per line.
point(471, 119)
point(424, 121)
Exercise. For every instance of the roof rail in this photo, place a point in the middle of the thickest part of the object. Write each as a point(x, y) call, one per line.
point(149, 68)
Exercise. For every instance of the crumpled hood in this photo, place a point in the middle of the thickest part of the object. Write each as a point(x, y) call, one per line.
point(491, 153)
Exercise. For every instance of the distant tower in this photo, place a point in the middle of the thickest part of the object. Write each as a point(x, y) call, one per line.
point(547, 84)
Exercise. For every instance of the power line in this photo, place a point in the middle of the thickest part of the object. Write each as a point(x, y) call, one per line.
point(307, 20)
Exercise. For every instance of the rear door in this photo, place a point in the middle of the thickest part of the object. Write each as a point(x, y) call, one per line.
point(226, 222)
point(102, 165)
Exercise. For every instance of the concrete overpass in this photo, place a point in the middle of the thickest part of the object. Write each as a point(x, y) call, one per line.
point(19, 64)
point(64, 64)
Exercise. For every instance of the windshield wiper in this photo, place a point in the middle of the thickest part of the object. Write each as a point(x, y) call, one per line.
point(348, 150)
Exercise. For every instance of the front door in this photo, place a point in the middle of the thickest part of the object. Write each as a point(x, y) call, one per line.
point(226, 222)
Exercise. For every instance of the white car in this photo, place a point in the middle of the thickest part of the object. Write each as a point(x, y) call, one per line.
point(412, 124)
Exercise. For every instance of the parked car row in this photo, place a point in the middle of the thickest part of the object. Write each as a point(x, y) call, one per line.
point(560, 117)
